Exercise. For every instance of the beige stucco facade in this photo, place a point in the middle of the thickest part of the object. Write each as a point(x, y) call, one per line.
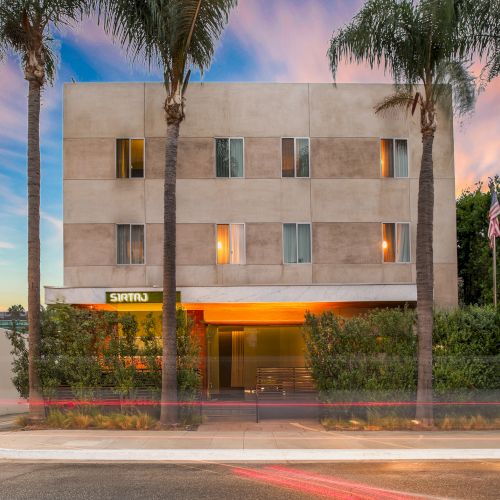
point(345, 199)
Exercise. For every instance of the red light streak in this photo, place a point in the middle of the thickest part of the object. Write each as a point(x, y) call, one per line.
point(316, 484)
point(139, 402)
point(386, 494)
point(296, 485)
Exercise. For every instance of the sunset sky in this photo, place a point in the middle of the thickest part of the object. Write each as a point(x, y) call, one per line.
point(266, 40)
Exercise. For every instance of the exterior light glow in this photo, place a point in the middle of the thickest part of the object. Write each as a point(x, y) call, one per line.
point(384, 245)
point(219, 245)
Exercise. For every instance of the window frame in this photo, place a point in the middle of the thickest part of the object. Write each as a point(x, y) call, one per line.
point(130, 224)
point(130, 139)
point(295, 157)
point(230, 233)
point(297, 240)
point(229, 149)
point(396, 241)
point(393, 139)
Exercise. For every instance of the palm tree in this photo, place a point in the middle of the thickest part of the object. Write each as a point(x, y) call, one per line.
point(25, 30)
point(175, 35)
point(425, 46)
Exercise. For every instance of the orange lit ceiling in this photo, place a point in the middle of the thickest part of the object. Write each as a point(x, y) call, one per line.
point(282, 313)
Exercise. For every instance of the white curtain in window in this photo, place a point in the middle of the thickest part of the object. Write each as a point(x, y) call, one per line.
point(403, 243)
point(304, 242)
point(236, 149)
point(237, 244)
point(401, 158)
point(137, 244)
point(302, 158)
point(289, 243)
point(123, 243)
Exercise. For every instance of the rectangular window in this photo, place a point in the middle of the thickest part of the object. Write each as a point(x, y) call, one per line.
point(394, 157)
point(296, 243)
point(230, 243)
point(129, 158)
point(295, 157)
point(396, 242)
point(130, 243)
point(229, 157)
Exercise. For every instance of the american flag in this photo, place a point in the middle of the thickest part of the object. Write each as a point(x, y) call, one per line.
point(494, 227)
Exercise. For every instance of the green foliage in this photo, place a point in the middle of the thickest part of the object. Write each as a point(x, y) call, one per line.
point(376, 353)
point(26, 25)
point(87, 349)
point(467, 349)
point(475, 262)
point(429, 42)
point(59, 419)
point(371, 352)
point(174, 35)
point(70, 345)
point(188, 354)
point(18, 338)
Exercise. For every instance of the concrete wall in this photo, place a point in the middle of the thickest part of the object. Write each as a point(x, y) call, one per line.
point(345, 199)
point(8, 393)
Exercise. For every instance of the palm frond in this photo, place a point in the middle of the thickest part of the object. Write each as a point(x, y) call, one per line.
point(399, 101)
point(453, 79)
point(385, 33)
point(172, 34)
point(25, 28)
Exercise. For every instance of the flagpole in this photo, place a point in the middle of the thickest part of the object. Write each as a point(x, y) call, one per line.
point(495, 272)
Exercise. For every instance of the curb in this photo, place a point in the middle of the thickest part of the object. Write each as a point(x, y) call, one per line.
point(248, 455)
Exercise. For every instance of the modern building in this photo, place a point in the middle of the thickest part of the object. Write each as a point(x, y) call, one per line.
point(290, 198)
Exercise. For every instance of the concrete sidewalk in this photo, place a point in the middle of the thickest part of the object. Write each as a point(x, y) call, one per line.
point(270, 441)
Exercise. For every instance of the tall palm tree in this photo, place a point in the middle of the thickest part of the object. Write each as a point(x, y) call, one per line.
point(177, 36)
point(25, 30)
point(426, 47)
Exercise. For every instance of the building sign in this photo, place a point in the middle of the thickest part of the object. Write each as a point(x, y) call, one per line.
point(137, 297)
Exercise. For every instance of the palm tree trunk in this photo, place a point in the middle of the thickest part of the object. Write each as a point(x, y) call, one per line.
point(425, 281)
point(169, 411)
point(36, 409)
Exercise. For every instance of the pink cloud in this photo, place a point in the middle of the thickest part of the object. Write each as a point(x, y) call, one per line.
point(477, 141)
point(289, 40)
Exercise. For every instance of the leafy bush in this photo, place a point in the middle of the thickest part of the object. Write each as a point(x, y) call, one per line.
point(59, 419)
point(466, 349)
point(371, 352)
point(87, 349)
point(373, 357)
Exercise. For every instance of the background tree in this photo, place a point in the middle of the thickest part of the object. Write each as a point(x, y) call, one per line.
point(176, 36)
point(475, 263)
point(25, 30)
point(424, 46)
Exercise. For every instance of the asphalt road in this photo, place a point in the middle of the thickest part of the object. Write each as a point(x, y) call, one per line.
point(374, 481)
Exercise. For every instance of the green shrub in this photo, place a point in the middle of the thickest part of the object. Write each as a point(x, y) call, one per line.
point(87, 349)
point(371, 352)
point(373, 357)
point(466, 349)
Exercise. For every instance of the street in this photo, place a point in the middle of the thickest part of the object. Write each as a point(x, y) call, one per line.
point(396, 480)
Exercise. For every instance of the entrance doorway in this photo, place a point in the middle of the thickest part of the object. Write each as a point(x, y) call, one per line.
point(235, 353)
point(231, 363)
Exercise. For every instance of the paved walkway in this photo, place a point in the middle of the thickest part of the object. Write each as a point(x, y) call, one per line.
point(268, 441)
